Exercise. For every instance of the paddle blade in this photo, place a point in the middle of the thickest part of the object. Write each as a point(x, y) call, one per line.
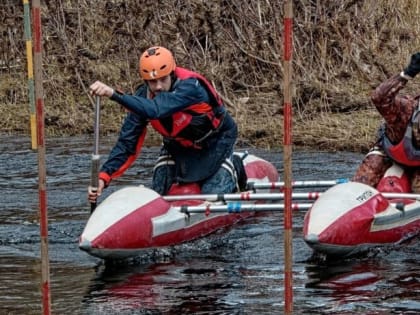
point(94, 178)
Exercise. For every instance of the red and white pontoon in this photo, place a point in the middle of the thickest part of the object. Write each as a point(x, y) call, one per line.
point(352, 217)
point(137, 218)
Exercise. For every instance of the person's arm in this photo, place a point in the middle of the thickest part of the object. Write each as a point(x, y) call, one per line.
point(186, 93)
point(126, 150)
point(385, 97)
point(386, 100)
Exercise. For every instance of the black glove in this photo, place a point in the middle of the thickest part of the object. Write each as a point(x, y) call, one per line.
point(414, 67)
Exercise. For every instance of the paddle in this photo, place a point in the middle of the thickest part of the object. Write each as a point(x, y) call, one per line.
point(94, 175)
point(307, 183)
point(236, 207)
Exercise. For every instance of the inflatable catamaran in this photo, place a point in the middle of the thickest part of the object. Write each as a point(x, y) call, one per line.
point(137, 218)
point(351, 217)
point(346, 219)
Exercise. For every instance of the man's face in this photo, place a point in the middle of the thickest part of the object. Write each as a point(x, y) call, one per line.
point(160, 85)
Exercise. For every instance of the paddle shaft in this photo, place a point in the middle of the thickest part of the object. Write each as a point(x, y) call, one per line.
point(94, 175)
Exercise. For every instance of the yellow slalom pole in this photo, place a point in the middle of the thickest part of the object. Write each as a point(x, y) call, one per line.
point(31, 88)
point(42, 182)
point(287, 157)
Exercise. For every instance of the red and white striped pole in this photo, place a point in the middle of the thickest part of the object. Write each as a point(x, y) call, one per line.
point(39, 104)
point(287, 157)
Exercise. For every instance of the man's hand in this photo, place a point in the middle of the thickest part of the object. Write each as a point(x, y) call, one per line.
point(94, 194)
point(100, 89)
point(414, 67)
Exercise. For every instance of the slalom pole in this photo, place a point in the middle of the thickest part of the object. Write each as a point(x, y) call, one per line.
point(245, 196)
point(31, 92)
point(237, 207)
point(297, 184)
point(287, 157)
point(43, 213)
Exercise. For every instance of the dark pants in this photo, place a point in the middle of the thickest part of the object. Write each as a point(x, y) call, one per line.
point(223, 181)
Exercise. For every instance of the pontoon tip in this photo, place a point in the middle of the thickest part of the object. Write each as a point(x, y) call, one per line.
point(85, 245)
point(311, 239)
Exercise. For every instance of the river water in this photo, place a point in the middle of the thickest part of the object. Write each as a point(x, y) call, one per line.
point(235, 271)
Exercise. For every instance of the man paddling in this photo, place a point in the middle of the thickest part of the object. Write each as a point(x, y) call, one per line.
point(198, 132)
point(399, 136)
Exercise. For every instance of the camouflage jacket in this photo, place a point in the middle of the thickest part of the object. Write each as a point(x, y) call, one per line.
point(396, 109)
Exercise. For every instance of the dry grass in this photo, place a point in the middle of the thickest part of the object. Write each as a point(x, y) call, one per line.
point(342, 49)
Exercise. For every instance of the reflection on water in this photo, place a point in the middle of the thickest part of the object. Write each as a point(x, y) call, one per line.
point(235, 271)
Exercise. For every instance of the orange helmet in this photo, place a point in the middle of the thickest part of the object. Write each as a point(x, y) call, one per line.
point(156, 62)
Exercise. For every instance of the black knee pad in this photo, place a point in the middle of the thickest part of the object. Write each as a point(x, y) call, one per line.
point(238, 163)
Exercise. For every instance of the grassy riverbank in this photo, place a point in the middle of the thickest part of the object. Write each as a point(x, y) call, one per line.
point(342, 50)
point(352, 131)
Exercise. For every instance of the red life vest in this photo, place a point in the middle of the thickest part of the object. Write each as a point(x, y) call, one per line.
point(404, 152)
point(177, 127)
